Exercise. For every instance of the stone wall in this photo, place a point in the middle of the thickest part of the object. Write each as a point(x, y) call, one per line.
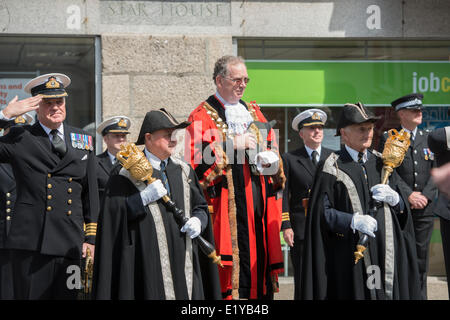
point(145, 72)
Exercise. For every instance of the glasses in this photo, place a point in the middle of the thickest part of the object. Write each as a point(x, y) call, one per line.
point(238, 81)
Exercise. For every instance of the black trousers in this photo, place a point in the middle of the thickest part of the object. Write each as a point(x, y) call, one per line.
point(43, 277)
point(6, 284)
point(445, 234)
point(423, 228)
point(296, 257)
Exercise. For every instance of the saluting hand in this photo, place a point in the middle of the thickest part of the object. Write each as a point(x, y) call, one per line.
point(18, 107)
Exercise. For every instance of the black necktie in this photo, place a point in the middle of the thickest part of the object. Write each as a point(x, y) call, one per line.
point(314, 155)
point(58, 143)
point(164, 177)
point(360, 158)
point(361, 162)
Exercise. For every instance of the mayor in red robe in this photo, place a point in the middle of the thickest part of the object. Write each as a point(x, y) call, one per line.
point(233, 151)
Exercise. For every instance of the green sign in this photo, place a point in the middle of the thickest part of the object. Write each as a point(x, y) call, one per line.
point(334, 83)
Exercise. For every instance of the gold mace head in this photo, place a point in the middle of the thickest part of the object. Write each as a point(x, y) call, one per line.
point(394, 151)
point(395, 148)
point(134, 160)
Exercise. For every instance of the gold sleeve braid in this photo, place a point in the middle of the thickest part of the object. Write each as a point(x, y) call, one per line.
point(90, 229)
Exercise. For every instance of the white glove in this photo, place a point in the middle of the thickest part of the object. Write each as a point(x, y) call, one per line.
point(269, 159)
point(384, 193)
point(364, 223)
point(192, 227)
point(153, 192)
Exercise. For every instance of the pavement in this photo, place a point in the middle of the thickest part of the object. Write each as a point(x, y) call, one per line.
point(437, 288)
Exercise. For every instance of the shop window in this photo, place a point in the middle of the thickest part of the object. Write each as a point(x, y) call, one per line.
point(25, 57)
point(434, 114)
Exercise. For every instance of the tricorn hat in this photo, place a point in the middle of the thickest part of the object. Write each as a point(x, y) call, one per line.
point(157, 120)
point(50, 85)
point(354, 114)
point(410, 101)
point(310, 117)
point(116, 124)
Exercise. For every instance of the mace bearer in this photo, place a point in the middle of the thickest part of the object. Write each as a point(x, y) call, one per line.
point(134, 160)
point(393, 154)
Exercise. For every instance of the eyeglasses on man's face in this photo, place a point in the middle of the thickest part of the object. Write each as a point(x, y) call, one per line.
point(238, 81)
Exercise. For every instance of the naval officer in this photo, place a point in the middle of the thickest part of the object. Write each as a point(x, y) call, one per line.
point(114, 131)
point(300, 168)
point(56, 208)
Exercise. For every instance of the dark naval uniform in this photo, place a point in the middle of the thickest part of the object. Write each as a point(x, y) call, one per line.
point(300, 172)
point(55, 196)
point(104, 167)
point(439, 143)
point(300, 169)
point(117, 125)
point(7, 200)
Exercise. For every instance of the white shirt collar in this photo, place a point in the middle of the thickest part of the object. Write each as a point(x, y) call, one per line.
point(309, 150)
point(226, 103)
point(354, 154)
point(412, 133)
point(154, 160)
point(47, 130)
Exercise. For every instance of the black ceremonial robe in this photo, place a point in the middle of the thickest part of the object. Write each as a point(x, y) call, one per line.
point(130, 263)
point(329, 271)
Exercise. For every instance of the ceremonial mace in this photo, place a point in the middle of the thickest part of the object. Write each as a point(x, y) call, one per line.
point(134, 160)
point(393, 154)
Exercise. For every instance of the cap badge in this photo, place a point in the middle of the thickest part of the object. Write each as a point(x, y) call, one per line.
point(52, 83)
point(122, 123)
point(315, 116)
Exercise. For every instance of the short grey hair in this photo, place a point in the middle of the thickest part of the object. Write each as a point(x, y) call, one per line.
point(221, 66)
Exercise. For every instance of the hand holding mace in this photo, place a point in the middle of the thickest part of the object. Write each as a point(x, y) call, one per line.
point(134, 160)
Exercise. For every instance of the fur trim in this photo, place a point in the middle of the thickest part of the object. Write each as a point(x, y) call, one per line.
point(233, 229)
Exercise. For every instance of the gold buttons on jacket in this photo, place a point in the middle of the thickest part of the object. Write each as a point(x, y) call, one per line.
point(8, 218)
point(49, 186)
point(8, 210)
point(69, 190)
point(8, 202)
point(8, 194)
point(70, 179)
point(49, 208)
point(49, 197)
point(69, 201)
point(49, 175)
point(69, 212)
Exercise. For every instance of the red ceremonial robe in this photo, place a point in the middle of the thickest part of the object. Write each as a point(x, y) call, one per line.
point(245, 208)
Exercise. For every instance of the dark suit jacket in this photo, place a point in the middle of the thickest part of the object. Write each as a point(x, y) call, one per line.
point(437, 140)
point(299, 172)
point(104, 167)
point(415, 170)
point(54, 196)
point(7, 200)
